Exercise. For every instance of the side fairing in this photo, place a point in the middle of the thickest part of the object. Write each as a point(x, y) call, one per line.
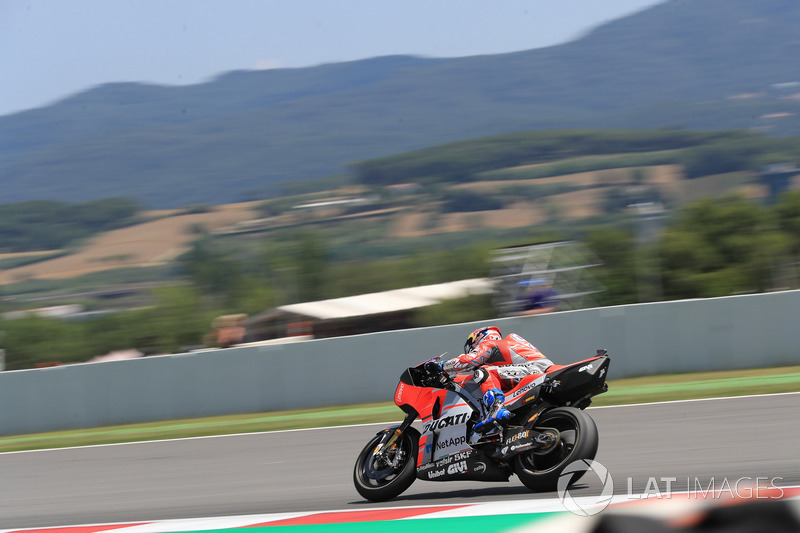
point(446, 433)
point(525, 391)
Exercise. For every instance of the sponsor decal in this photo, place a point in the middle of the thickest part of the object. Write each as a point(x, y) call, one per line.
point(441, 423)
point(602, 372)
point(450, 459)
point(457, 468)
point(399, 396)
point(513, 372)
point(517, 436)
point(523, 390)
point(584, 368)
point(435, 474)
point(480, 468)
point(447, 443)
point(517, 446)
point(426, 467)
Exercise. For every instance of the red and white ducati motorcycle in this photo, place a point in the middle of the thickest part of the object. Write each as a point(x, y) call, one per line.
point(547, 431)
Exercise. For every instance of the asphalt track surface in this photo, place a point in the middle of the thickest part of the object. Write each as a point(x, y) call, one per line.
point(311, 470)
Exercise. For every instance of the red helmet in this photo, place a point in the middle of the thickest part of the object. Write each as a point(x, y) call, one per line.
point(477, 336)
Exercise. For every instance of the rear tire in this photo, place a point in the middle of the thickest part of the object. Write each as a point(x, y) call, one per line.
point(380, 482)
point(579, 441)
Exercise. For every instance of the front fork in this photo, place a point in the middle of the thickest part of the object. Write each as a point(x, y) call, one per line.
point(386, 450)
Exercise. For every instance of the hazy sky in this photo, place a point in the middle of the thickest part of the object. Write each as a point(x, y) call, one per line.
point(50, 49)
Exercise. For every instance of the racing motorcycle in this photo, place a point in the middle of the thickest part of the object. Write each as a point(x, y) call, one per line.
point(548, 430)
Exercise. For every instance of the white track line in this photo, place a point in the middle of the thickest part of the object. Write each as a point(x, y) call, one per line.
point(697, 400)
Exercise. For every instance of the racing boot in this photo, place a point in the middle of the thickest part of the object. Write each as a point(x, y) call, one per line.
point(496, 413)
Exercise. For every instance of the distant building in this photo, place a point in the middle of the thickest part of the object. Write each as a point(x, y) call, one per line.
point(56, 311)
point(325, 204)
point(364, 313)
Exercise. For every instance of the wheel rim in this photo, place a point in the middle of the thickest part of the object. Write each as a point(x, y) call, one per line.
point(570, 435)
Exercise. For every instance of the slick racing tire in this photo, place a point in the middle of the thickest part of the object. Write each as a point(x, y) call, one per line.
point(578, 440)
point(377, 481)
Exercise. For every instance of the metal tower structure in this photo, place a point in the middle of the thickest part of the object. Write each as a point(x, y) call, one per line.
point(564, 265)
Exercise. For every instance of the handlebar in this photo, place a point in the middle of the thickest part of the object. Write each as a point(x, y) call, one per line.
point(435, 377)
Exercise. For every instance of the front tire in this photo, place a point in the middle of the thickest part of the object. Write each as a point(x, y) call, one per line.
point(378, 481)
point(579, 440)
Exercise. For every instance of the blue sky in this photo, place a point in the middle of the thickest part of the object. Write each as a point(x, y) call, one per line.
point(50, 49)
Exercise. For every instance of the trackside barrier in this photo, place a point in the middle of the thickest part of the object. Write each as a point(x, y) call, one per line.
point(670, 337)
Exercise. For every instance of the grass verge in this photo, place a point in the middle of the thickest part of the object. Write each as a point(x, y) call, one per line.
point(623, 391)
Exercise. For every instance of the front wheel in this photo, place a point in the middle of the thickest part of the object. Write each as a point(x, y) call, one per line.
point(382, 477)
point(539, 471)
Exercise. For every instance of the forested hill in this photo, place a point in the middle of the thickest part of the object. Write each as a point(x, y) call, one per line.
point(702, 64)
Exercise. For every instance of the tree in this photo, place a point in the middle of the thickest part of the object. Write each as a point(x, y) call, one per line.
point(179, 319)
point(311, 267)
point(616, 248)
point(717, 247)
point(212, 269)
point(35, 339)
point(788, 216)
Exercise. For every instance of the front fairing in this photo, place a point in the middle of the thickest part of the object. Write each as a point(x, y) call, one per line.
point(412, 393)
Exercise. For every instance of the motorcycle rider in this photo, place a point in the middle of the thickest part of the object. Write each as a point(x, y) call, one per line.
point(498, 363)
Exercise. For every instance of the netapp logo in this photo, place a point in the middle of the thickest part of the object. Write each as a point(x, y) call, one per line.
point(447, 443)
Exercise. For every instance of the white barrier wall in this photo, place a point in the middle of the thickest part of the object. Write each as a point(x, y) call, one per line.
point(671, 337)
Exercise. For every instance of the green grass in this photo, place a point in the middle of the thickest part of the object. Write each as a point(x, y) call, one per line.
point(624, 391)
point(701, 385)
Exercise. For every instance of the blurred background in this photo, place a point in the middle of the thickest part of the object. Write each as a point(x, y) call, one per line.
point(183, 175)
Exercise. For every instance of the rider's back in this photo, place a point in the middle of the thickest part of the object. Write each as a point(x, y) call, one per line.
point(513, 350)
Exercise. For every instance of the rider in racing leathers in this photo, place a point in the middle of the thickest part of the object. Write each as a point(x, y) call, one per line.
point(486, 353)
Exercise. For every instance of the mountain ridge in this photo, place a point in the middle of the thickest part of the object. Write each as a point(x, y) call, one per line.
point(244, 133)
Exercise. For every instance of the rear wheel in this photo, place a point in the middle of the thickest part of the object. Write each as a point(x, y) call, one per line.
point(539, 471)
point(382, 477)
